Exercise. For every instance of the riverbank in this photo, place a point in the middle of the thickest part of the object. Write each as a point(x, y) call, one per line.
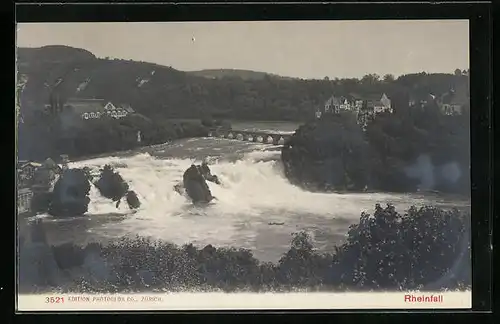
point(386, 251)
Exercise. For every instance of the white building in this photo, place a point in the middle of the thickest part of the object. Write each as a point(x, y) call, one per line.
point(24, 197)
point(96, 108)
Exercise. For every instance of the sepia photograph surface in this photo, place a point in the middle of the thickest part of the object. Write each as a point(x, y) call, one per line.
point(233, 165)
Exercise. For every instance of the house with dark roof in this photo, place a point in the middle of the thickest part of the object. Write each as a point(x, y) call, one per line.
point(377, 103)
point(335, 105)
point(416, 101)
point(371, 106)
point(356, 100)
point(449, 104)
point(85, 108)
point(95, 108)
point(25, 173)
point(454, 101)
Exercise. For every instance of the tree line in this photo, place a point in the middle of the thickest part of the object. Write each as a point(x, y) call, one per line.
point(42, 135)
point(160, 91)
point(424, 150)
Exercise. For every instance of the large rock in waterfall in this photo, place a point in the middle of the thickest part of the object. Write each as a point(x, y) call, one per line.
point(195, 186)
point(111, 184)
point(132, 200)
point(328, 154)
point(70, 194)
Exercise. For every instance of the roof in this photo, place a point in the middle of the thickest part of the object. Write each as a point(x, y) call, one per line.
point(374, 97)
point(49, 163)
point(332, 101)
point(446, 98)
point(460, 96)
point(458, 99)
point(127, 108)
point(24, 164)
point(24, 191)
point(86, 105)
point(418, 97)
point(355, 96)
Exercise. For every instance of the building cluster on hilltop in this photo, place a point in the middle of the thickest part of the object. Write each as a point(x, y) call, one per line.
point(452, 102)
point(363, 107)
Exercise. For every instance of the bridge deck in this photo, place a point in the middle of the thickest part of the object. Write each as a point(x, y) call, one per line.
point(251, 136)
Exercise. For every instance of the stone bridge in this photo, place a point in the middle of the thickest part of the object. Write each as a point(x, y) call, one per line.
point(249, 136)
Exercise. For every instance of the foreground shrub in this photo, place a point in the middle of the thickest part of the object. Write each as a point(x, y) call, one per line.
point(424, 249)
point(391, 251)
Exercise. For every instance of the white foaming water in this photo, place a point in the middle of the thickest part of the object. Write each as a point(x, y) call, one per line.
point(253, 193)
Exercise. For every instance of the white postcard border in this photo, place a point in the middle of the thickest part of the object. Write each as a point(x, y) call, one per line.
point(244, 301)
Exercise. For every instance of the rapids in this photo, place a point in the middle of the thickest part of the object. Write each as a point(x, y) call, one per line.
point(256, 207)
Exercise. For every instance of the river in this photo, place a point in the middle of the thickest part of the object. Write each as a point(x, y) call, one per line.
point(254, 194)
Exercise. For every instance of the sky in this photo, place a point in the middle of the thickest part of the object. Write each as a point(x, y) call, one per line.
point(303, 49)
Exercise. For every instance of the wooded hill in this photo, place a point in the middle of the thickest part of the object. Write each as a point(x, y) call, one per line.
point(155, 90)
point(236, 73)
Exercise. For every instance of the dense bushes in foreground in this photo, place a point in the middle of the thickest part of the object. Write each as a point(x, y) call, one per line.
point(424, 249)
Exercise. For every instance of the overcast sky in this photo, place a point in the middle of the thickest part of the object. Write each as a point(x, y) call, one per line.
point(305, 49)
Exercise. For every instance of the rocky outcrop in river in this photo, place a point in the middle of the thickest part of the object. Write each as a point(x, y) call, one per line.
point(70, 196)
point(196, 186)
point(328, 155)
point(112, 186)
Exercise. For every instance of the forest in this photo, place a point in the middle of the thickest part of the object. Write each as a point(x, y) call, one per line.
point(161, 91)
point(397, 153)
point(42, 136)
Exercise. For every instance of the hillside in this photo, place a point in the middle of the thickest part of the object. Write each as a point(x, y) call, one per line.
point(235, 73)
point(156, 90)
point(52, 53)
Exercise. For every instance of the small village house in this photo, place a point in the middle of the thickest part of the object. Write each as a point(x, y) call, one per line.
point(378, 103)
point(332, 105)
point(73, 111)
point(25, 175)
point(96, 108)
point(365, 108)
point(34, 178)
point(335, 105)
point(45, 175)
point(421, 101)
point(454, 101)
point(24, 198)
point(371, 106)
point(356, 101)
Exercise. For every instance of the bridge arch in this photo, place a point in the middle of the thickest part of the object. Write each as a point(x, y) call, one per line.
point(249, 136)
